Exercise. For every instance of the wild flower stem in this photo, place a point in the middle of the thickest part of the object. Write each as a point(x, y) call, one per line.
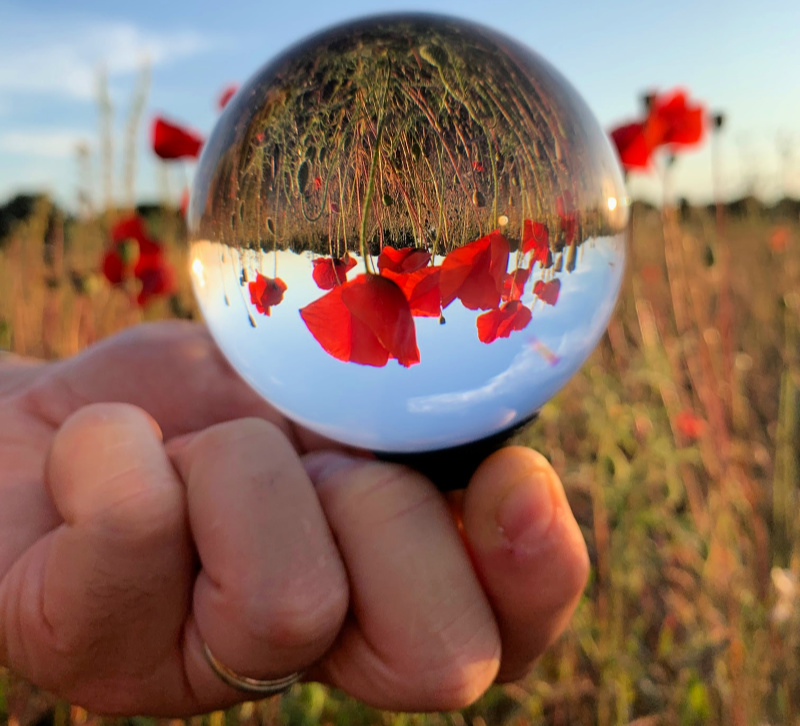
point(362, 237)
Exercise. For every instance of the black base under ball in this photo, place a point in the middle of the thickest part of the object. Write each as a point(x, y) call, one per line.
point(453, 467)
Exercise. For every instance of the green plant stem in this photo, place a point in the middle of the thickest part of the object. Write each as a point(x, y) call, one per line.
point(362, 236)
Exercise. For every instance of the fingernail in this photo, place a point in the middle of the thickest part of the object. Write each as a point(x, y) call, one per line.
point(527, 511)
point(321, 465)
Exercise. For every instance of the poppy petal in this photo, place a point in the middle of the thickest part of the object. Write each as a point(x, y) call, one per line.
point(514, 283)
point(680, 122)
point(128, 228)
point(475, 272)
point(547, 291)
point(329, 271)
point(635, 143)
point(171, 141)
point(366, 320)
point(381, 305)
point(421, 289)
point(266, 292)
point(227, 94)
point(405, 259)
point(535, 237)
point(503, 321)
point(329, 321)
point(113, 267)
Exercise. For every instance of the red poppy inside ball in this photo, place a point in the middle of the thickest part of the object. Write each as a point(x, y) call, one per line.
point(407, 233)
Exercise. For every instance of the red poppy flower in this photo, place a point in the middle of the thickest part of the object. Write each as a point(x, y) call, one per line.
point(477, 166)
point(135, 255)
point(317, 183)
point(779, 239)
point(266, 292)
point(547, 291)
point(681, 123)
point(130, 244)
point(689, 425)
point(331, 271)
point(671, 121)
point(421, 289)
point(536, 237)
point(503, 321)
point(156, 276)
point(174, 142)
point(406, 259)
point(133, 227)
point(113, 267)
point(514, 283)
point(475, 273)
point(226, 95)
point(632, 145)
point(366, 320)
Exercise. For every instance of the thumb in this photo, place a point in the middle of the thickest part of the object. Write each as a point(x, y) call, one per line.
point(528, 551)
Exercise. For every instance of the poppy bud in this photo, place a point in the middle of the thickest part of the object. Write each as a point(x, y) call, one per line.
point(128, 252)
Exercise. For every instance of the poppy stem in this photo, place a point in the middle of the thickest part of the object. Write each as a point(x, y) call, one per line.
point(362, 241)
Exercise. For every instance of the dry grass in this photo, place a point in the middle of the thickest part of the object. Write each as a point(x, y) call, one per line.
point(688, 618)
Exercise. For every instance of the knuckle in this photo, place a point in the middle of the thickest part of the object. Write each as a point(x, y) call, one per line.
point(300, 615)
point(462, 683)
point(80, 430)
point(248, 430)
point(143, 511)
point(103, 479)
point(216, 443)
point(465, 658)
point(387, 492)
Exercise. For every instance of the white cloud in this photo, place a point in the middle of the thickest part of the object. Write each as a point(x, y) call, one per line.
point(42, 143)
point(64, 58)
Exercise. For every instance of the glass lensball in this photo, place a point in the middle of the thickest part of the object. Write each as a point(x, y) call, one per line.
point(407, 233)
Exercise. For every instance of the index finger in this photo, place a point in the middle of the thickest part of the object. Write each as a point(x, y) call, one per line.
point(172, 369)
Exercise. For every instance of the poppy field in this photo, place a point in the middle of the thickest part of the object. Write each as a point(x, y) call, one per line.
point(678, 441)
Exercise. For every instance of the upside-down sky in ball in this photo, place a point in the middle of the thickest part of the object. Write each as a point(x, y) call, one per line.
point(407, 233)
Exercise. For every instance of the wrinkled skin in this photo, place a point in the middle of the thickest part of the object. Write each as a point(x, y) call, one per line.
point(151, 502)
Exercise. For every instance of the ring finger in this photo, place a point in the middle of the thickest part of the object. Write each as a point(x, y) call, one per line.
point(421, 635)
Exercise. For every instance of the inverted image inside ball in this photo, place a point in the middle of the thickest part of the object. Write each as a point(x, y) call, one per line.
point(407, 233)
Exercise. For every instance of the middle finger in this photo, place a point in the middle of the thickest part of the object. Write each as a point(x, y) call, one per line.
point(421, 635)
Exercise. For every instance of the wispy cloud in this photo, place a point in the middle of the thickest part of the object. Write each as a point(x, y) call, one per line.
point(64, 59)
point(41, 143)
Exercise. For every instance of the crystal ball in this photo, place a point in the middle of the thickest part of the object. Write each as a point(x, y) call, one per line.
point(407, 233)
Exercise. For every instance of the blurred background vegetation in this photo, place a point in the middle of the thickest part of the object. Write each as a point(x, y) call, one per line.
point(678, 443)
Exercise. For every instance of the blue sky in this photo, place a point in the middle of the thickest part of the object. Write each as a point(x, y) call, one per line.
point(740, 57)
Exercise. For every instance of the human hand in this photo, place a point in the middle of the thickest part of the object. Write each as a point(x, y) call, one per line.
point(150, 502)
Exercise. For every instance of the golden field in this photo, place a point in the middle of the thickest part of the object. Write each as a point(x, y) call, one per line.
point(678, 443)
